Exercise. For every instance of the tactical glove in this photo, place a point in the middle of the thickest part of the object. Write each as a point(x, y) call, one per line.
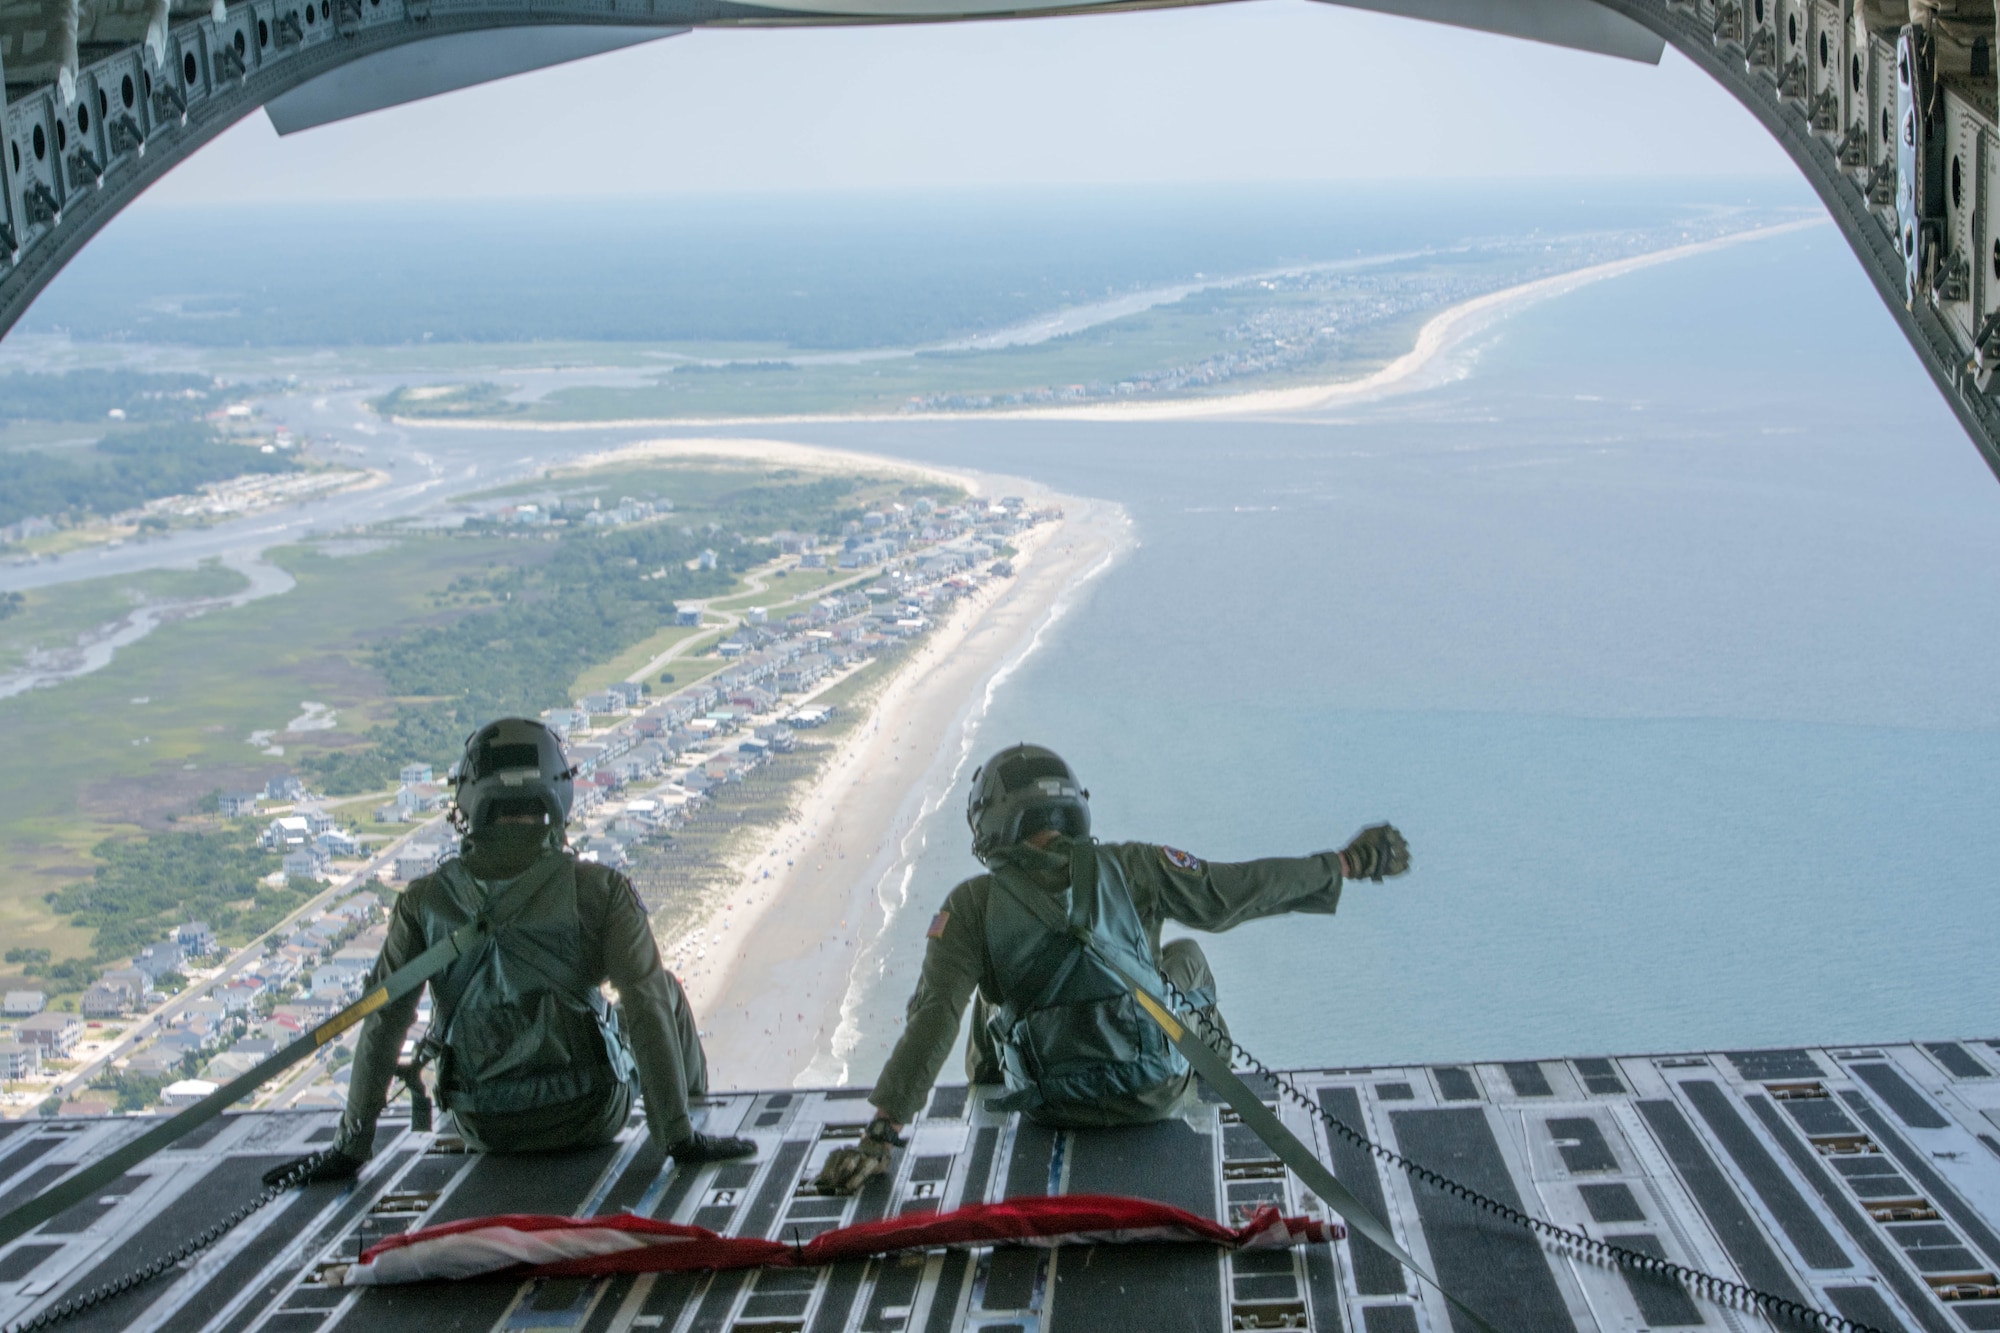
point(848, 1169)
point(1377, 852)
point(315, 1169)
point(710, 1148)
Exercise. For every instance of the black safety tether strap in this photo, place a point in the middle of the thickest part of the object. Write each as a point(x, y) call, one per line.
point(1215, 1071)
point(401, 982)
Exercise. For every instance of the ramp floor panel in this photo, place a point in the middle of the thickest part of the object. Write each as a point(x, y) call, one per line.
point(1857, 1181)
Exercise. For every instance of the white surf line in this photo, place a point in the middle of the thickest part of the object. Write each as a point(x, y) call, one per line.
point(830, 1067)
point(1445, 330)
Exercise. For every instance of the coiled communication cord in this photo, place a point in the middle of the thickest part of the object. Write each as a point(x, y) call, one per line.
point(73, 1306)
point(1722, 1291)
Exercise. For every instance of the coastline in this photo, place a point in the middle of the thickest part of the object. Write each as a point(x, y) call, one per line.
point(1443, 332)
point(797, 934)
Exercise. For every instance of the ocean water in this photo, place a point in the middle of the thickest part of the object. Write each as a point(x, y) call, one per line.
point(816, 271)
point(1667, 632)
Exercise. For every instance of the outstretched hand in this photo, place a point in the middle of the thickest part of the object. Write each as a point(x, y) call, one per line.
point(1376, 853)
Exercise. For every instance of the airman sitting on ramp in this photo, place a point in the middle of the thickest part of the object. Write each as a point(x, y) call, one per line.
point(531, 1056)
point(1051, 1020)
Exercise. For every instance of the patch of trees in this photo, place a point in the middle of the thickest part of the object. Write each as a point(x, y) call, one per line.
point(91, 395)
point(125, 470)
point(521, 653)
point(11, 604)
point(144, 887)
point(140, 1092)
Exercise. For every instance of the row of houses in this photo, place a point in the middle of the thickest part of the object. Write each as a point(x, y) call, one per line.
point(309, 842)
point(769, 662)
point(295, 984)
point(243, 804)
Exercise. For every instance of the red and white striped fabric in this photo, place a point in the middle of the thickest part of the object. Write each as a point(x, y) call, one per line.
point(521, 1245)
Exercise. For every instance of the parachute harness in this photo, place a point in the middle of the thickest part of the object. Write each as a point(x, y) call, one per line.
point(1562, 1240)
point(72, 1306)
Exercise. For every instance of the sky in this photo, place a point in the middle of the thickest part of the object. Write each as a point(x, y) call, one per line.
point(1266, 90)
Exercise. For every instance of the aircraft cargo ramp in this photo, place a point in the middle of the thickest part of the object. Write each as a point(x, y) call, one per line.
point(1864, 1181)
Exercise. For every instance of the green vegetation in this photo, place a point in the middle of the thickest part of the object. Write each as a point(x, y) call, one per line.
point(124, 470)
point(134, 747)
point(11, 604)
point(398, 639)
point(50, 620)
point(144, 887)
point(136, 1092)
point(598, 595)
point(91, 395)
point(478, 399)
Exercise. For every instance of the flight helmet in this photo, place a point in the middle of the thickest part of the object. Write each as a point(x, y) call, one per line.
point(512, 766)
point(1020, 792)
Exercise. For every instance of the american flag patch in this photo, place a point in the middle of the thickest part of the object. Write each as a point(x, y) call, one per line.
point(937, 925)
point(1181, 860)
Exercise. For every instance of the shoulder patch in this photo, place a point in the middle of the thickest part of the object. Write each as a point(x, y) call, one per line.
point(1177, 859)
point(937, 926)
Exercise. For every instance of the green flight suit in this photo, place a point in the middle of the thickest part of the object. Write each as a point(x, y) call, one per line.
point(1166, 885)
point(616, 944)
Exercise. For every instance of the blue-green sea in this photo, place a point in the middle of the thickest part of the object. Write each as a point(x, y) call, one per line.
point(1669, 633)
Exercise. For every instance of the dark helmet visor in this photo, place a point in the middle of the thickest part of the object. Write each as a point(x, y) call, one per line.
point(1028, 769)
point(490, 759)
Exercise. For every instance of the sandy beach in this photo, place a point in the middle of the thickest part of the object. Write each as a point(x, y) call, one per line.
point(792, 943)
point(1415, 370)
point(780, 954)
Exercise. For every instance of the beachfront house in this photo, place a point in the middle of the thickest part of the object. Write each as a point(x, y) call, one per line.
point(19, 1060)
point(156, 960)
point(285, 787)
point(237, 804)
point(23, 1003)
point(186, 1092)
point(102, 1001)
point(417, 799)
point(338, 842)
point(285, 832)
point(563, 721)
point(55, 1035)
point(304, 863)
point(417, 860)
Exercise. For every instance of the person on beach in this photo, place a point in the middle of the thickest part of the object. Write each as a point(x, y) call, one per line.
point(1050, 1020)
point(531, 1056)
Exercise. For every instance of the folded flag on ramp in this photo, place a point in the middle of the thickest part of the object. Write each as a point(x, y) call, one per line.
point(521, 1245)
